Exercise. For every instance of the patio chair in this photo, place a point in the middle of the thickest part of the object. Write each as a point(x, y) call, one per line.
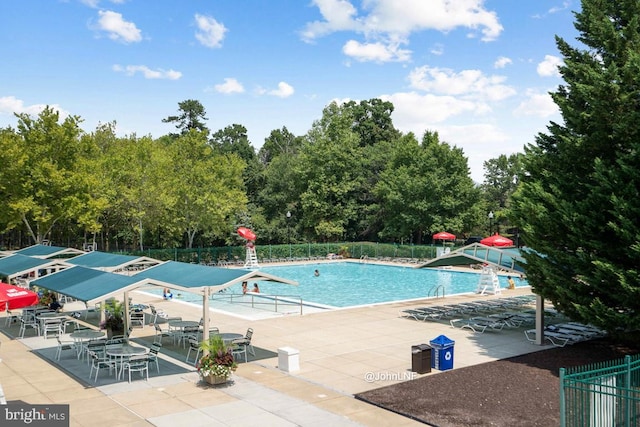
point(28, 321)
point(52, 326)
point(160, 334)
point(10, 317)
point(153, 354)
point(137, 363)
point(137, 318)
point(93, 346)
point(98, 363)
point(238, 348)
point(186, 333)
point(64, 345)
point(117, 339)
point(212, 331)
point(194, 345)
point(244, 344)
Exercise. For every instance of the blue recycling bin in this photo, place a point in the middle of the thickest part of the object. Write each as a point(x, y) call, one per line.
point(442, 353)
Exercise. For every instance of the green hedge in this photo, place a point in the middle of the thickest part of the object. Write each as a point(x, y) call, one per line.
point(296, 251)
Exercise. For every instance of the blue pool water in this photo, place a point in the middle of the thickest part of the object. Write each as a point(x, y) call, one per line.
point(347, 284)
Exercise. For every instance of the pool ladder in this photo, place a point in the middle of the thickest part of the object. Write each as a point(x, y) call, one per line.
point(435, 290)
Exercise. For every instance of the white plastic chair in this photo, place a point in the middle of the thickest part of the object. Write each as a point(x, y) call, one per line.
point(137, 363)
point(64, 345)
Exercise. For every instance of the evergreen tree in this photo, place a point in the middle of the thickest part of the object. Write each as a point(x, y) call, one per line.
point(578, 205)
point(192, 116)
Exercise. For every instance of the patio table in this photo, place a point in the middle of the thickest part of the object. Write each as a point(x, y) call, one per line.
point(179, 326)
point(228, 337)
point(84, 335)
point(122, 352)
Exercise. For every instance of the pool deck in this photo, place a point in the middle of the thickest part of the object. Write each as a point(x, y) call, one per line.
point(341, 352)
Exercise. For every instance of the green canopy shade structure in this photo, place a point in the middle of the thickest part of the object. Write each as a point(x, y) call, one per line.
point(111, 262)
point(87, 284)
point(202, 279)
point(46, 251)
point(18, 265)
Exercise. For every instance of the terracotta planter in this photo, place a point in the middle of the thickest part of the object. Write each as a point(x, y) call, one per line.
point(216, 379)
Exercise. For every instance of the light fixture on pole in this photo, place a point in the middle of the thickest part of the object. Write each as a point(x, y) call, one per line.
point(490, 215)
point(289, 232)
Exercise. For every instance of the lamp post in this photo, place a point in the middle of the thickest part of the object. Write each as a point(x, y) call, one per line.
point(490, 215)
point(289, 232)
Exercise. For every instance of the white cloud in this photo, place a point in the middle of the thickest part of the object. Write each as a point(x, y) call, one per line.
point(11, 104)
point(284, 90)
point(537, 104)
point(148, 73)
point(377, 52)
point(472, 84)
point(117, 28)
point(437, 49)
point(549, 67)
point(396, 19)
point(90, 3)
point(230, 85)
point(556, 9)
point(502, 62)
point(210, 32)
point(94, 3)
point(415, 111)
point(338, 16)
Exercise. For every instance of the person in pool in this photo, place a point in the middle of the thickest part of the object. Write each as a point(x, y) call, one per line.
point(256, 289)
point(316, 273)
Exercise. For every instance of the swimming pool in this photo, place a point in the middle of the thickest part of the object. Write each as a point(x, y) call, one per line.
point(347, 284)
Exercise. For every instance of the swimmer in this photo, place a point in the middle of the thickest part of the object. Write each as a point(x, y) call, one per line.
point(316, 273)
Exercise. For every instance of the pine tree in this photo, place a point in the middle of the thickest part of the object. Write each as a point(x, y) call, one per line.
point(578, 205)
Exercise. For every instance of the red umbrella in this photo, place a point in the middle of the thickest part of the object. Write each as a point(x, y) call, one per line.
point(443, 235)
point(16, 297)
point(496, 240)
point(246, 233)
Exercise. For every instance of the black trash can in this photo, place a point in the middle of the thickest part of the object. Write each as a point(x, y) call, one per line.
point(421, 358)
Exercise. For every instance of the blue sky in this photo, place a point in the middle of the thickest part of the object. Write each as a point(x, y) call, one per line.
point(477, 72)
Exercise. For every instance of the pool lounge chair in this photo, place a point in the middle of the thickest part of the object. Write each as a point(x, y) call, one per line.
point(440, 311)
point(478, 324)
point(420, 314)
point(571, 329)
point(585, 329)
point(558, 339)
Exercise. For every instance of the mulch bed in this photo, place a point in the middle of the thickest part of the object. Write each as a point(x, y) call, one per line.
point(520, 391)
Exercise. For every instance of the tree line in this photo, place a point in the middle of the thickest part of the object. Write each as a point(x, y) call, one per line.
point(352, 177)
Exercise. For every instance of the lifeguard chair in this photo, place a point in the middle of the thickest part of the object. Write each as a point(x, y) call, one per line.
point(489, 283)
point(251, 259)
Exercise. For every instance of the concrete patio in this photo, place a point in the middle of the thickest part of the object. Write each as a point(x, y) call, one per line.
point(341, 352)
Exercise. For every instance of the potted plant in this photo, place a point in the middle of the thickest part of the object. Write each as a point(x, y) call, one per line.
point(114, 321)
point(217, 364)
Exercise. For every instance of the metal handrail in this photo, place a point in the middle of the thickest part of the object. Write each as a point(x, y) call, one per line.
point(435, 290)
point(284, 300)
